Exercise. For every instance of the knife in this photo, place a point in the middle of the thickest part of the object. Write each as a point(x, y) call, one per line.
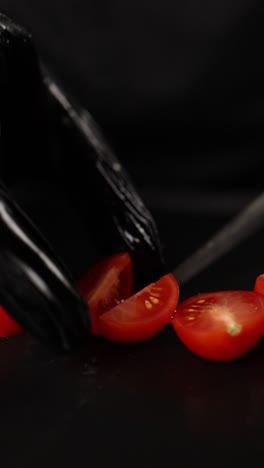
point(243, 225)
point(47, 133)
point(35, 286)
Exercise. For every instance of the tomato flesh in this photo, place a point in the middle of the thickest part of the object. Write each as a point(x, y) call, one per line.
point(8, 326)
point(106, 284)
point(222, 325)
point(143, 315)
point(259, 285)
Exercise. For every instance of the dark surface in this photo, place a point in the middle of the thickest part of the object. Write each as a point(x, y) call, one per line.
point(155, 403)
point(151, 404)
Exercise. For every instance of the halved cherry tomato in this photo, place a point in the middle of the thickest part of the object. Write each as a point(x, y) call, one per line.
point(259, 285)
point(221, 325)
point(8, 326)
point(106, 284)
point(142, 315)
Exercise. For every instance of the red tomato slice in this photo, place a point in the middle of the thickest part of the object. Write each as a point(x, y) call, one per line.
point(221, 325)
point(8, 326)
point(143, 315)
point(259, 285)
point(106, 284)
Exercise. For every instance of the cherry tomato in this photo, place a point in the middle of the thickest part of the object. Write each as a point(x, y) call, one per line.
point(8, 326)
point(106, 284)
point(221, 325)
point(142, 315)
point(259, 285)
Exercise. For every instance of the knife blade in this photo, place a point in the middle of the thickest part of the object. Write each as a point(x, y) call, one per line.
point(243, 225)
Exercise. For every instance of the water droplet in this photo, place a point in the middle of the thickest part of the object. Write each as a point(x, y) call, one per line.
point(116, 167)
point(173, 314)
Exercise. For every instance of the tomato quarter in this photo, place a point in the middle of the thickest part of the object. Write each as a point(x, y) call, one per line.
point(106, 284)
point(222, 325)
point(259, 285)
point(142, 315)
point(8, 326)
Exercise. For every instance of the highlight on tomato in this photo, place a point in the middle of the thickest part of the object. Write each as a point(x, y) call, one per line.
point(221, 325)
point(106, 284)
point(142, 315)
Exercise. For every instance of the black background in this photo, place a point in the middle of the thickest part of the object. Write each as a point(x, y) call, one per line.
point(176, 77)
point(178, 89)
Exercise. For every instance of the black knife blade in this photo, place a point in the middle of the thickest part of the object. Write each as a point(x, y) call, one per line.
point(242, 226)
point(35, 287)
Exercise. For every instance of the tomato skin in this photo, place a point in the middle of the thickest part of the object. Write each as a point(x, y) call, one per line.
point(143, 315)
point(107, 283)
point(220, 326)
point(259, 285)
point(8, 326)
